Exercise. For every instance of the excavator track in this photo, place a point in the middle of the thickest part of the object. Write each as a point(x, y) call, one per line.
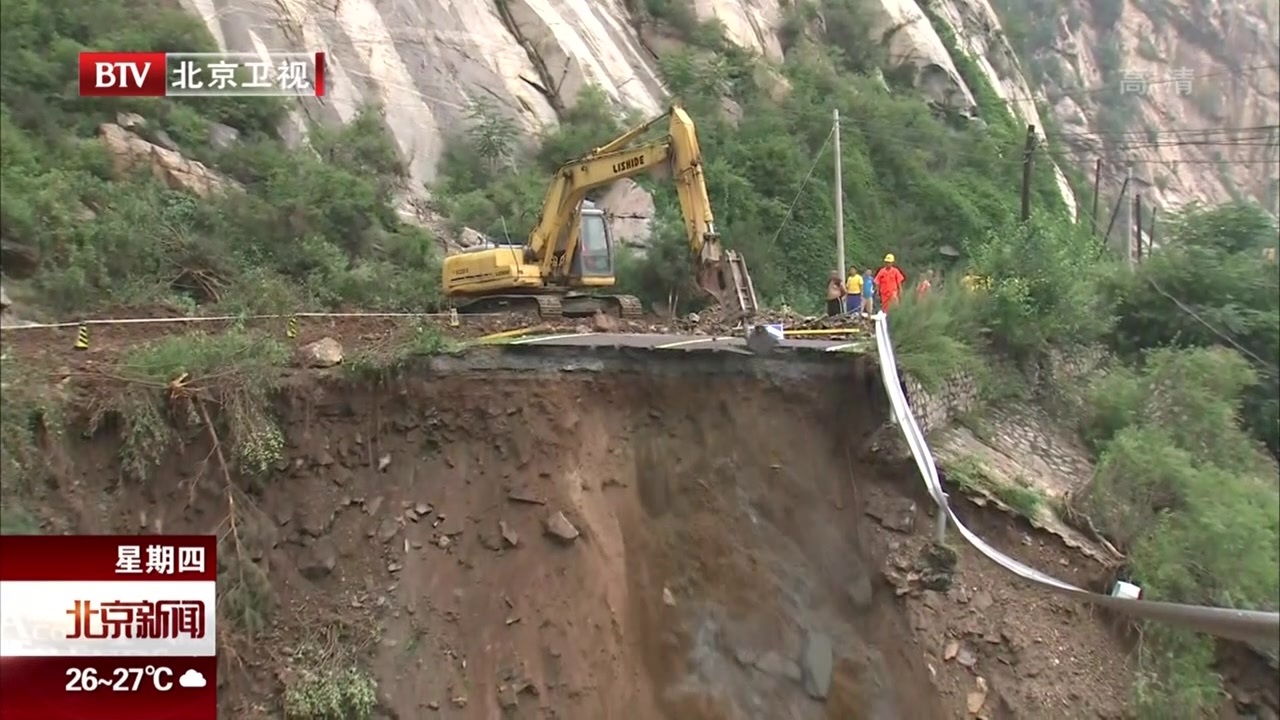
point(629, 307)
point(555, 307)
point(549, 307)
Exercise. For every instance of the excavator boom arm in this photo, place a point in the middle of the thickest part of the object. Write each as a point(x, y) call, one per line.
point(555, 237)
point(554, 240)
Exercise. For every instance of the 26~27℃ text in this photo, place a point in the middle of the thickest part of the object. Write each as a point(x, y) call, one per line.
point(158, 74)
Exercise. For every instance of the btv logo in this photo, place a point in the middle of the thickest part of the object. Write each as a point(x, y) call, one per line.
point(110, 74)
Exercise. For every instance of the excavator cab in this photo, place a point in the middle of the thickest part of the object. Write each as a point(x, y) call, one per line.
point(594, 256)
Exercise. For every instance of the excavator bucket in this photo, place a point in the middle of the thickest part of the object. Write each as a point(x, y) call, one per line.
point(729, 282)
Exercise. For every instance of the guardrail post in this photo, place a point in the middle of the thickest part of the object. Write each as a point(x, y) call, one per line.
point(940, 523)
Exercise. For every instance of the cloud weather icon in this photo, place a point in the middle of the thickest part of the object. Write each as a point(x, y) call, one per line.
point(192, 679)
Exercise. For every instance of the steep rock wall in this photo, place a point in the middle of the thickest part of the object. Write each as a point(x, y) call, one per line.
point(978, 29)
point(1186, 64)
point(428, 61)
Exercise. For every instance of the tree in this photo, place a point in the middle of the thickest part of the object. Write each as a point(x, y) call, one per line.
point(492, 135)
point(1211, 283)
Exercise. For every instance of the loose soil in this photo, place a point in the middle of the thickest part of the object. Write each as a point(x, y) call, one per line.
point(742, 548)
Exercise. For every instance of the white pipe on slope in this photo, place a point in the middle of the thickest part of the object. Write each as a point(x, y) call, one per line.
point(1260, 628)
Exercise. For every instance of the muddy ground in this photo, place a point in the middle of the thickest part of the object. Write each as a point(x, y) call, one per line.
point(651, 542)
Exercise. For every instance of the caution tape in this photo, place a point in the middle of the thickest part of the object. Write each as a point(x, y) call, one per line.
point(823, 331)
point(494, 337)
point(1250, 626)
point(451, 316)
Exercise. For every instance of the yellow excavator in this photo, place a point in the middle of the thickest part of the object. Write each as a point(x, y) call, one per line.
point(569, 257)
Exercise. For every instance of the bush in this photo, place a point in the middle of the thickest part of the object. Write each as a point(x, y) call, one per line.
point(1182, 489)
point(938, 335)
point(1210, 286)
point(1043, 291)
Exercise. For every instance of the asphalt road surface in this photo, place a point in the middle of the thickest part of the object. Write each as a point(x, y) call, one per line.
point(686, 343)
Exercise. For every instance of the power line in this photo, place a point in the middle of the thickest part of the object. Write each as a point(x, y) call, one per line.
point(1145, 84)
point(817, 158)
point(901, 141)
point(1173, 131)
point(1077, 93)
point(1222, 335)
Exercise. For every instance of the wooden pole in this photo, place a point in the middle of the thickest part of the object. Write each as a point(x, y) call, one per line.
point(1128, 225)
point(1028, 165)
point(1115, 211)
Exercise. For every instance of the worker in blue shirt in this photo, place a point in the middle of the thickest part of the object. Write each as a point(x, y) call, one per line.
point(868, 292)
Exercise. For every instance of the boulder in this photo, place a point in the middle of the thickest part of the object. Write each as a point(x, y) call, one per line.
point(130, 153)
point(323, 353)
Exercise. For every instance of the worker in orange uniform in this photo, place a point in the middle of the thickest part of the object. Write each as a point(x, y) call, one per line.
point(889, 282)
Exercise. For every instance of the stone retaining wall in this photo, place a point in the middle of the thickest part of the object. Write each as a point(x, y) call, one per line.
point(1061, 383)
point(935, 410)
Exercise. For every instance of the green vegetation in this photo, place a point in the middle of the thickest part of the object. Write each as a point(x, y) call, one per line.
point(1210, 285)
point(1182, 490)
point(971, 477)
point(313, 226)
point(167, 384)
point(379, 363)
point(323, 682)
point(31, 412)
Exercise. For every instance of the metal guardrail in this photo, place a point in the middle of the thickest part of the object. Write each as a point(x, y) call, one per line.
point(1253, 627)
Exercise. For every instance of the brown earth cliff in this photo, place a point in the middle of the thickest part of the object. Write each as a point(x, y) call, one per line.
point(649, 540)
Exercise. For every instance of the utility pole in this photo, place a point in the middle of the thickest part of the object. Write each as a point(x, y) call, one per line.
point(1097, 178)
point(1028, 164)
point(835, 119)
point(1115, 212)
point(1128, 226)
point(1137, 227)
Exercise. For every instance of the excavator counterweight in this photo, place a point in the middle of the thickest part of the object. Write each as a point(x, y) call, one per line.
point(568, 262)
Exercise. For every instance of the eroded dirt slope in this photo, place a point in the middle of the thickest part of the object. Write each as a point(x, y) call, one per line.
point(719, 542)
point(725, 565)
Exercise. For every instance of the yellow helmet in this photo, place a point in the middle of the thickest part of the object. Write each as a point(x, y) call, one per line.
point(889, 258)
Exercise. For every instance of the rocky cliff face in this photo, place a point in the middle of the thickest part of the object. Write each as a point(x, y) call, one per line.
point(1174, 66)
point(428, 61)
